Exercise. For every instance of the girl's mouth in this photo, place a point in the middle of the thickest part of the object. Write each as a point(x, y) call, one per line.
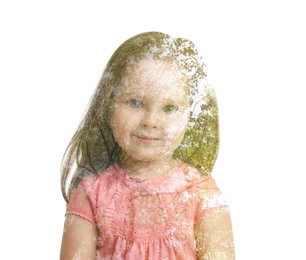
point(147, 139)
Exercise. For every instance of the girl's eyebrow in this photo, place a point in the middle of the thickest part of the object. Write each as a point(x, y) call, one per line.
point(132, 92)
point(176, 99)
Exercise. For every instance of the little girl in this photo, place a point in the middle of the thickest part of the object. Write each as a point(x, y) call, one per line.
point(136, 174)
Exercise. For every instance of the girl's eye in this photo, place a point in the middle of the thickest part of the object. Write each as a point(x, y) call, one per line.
point(170, 108)
point(135, 103)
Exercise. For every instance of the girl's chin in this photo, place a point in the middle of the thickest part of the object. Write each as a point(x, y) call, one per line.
point(141, 158)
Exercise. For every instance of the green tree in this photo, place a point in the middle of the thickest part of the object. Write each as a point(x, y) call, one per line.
point(200, 145)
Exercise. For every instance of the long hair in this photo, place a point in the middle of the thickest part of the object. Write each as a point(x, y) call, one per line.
point(93, 147)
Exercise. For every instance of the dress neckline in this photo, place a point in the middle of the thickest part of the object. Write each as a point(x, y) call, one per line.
point(177, 179)
point(178, 165)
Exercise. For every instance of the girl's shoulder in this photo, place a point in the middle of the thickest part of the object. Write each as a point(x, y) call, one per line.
point(193, 179)
point(205, 191)
point(193, 175)
point(95, 181)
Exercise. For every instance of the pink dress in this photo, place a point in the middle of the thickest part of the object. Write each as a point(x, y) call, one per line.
point(146, 218)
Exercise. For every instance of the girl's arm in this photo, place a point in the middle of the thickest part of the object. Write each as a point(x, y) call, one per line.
point(214, 238)
point(79, 239)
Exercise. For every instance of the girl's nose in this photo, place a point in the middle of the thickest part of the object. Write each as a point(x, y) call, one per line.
point(151, 119)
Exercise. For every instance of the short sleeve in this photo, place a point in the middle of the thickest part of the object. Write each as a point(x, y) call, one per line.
point(81, 202)
point(208, 197)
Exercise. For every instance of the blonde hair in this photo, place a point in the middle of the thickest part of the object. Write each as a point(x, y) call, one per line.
point(93, 147)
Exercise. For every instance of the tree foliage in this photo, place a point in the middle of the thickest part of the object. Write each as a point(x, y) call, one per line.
point(200, 145)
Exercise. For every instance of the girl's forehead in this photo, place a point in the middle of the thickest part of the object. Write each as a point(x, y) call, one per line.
point(149, 73)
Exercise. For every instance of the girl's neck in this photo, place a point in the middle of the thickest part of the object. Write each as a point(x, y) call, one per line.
point(149, 169)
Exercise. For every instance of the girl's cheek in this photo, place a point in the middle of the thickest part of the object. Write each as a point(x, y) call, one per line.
point(177, 128)
point(174, 130)
point(171, 130)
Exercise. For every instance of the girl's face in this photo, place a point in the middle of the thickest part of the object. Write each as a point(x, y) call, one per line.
point(151, 111)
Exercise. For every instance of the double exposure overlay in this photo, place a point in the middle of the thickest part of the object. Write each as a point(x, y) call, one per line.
point(137, 173)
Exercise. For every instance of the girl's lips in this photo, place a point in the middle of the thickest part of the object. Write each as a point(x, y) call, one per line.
point(147, 138)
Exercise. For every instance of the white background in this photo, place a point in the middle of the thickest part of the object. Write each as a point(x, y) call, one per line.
point(51, 58)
